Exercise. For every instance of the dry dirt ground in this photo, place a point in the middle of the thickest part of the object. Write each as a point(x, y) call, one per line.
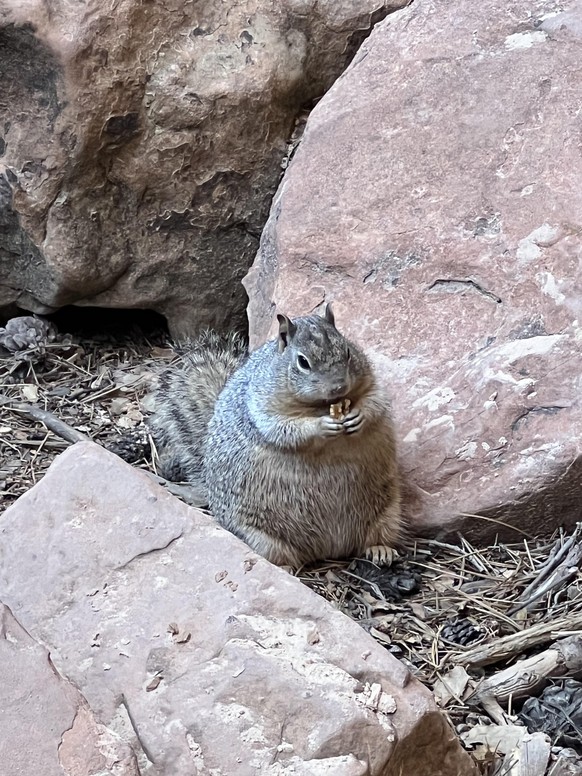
point(460, 617)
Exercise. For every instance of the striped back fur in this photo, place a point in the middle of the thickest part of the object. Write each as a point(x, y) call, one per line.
point(185, 401)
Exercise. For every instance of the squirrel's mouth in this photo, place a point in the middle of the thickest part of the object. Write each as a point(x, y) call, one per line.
point(332, 398)
point(335, 398)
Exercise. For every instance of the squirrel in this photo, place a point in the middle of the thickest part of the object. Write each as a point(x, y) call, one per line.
point(294, 443)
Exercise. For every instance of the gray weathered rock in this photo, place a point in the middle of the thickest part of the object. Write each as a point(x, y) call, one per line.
point(436, 199)
point(140, 145)
point(201, 655)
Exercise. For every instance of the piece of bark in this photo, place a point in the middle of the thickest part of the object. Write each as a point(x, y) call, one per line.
point(528, 676)
point(530, 758)
point(525, 754)
point(517, 643)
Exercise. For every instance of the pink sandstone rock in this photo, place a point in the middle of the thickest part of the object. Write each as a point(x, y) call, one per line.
point(200, 655)
point(141, 143)
point(435, 199)
point(46, 728)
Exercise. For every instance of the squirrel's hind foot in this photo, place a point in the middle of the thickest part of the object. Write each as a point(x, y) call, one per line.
point(381, 555)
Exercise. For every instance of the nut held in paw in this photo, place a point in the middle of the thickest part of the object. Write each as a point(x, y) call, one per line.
point(339, 410)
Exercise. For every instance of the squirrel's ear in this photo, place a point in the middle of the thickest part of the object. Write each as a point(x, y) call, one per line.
point(286, 331)
point(328, 314)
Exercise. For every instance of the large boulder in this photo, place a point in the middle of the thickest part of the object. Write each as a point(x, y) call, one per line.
point(200, 655)
point(436, 199)
point(140, 144)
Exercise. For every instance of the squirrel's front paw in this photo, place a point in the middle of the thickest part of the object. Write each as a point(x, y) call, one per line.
point(353, 421)
point(330, 427)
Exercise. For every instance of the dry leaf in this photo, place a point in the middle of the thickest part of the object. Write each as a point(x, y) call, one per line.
point(130, 419)
point(495, 738)
point(418, 610)
point(450, 685)
point(119, 406)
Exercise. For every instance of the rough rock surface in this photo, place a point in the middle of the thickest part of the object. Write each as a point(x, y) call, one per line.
point(436, 199)
point(199, 654)
point(35, 699)
point(140, 144)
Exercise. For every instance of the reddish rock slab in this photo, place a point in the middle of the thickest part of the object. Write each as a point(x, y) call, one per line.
point(435, 199)
point(202, 656)
point(46, 728)
point(141, 144)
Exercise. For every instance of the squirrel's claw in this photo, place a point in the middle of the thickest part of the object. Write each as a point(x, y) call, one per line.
point(330, 426)
point(381, 555)
point(353, 421)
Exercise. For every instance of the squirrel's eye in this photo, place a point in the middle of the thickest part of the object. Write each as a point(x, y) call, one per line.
point(303, 362)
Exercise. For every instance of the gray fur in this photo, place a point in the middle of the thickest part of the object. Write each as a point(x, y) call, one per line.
point(294, 483)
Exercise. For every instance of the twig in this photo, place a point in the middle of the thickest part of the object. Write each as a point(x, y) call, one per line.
point(473, 556)
point(556, 554)
point(54, 424)
point(564, 569)
point(498, 522)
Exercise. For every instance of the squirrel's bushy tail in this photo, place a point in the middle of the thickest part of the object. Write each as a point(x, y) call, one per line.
point(185, 402)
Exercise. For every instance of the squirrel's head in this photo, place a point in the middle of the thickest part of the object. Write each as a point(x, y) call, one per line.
point(322, 366)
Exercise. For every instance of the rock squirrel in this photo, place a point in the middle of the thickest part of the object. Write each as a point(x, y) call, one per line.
point(293, 479)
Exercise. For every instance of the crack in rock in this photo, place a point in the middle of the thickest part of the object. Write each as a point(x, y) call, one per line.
point(149, 552)
point(455, 286)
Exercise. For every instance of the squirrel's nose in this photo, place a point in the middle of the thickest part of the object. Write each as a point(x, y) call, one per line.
point(339, 390)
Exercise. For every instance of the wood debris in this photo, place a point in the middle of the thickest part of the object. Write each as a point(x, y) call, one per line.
point(486, 628)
